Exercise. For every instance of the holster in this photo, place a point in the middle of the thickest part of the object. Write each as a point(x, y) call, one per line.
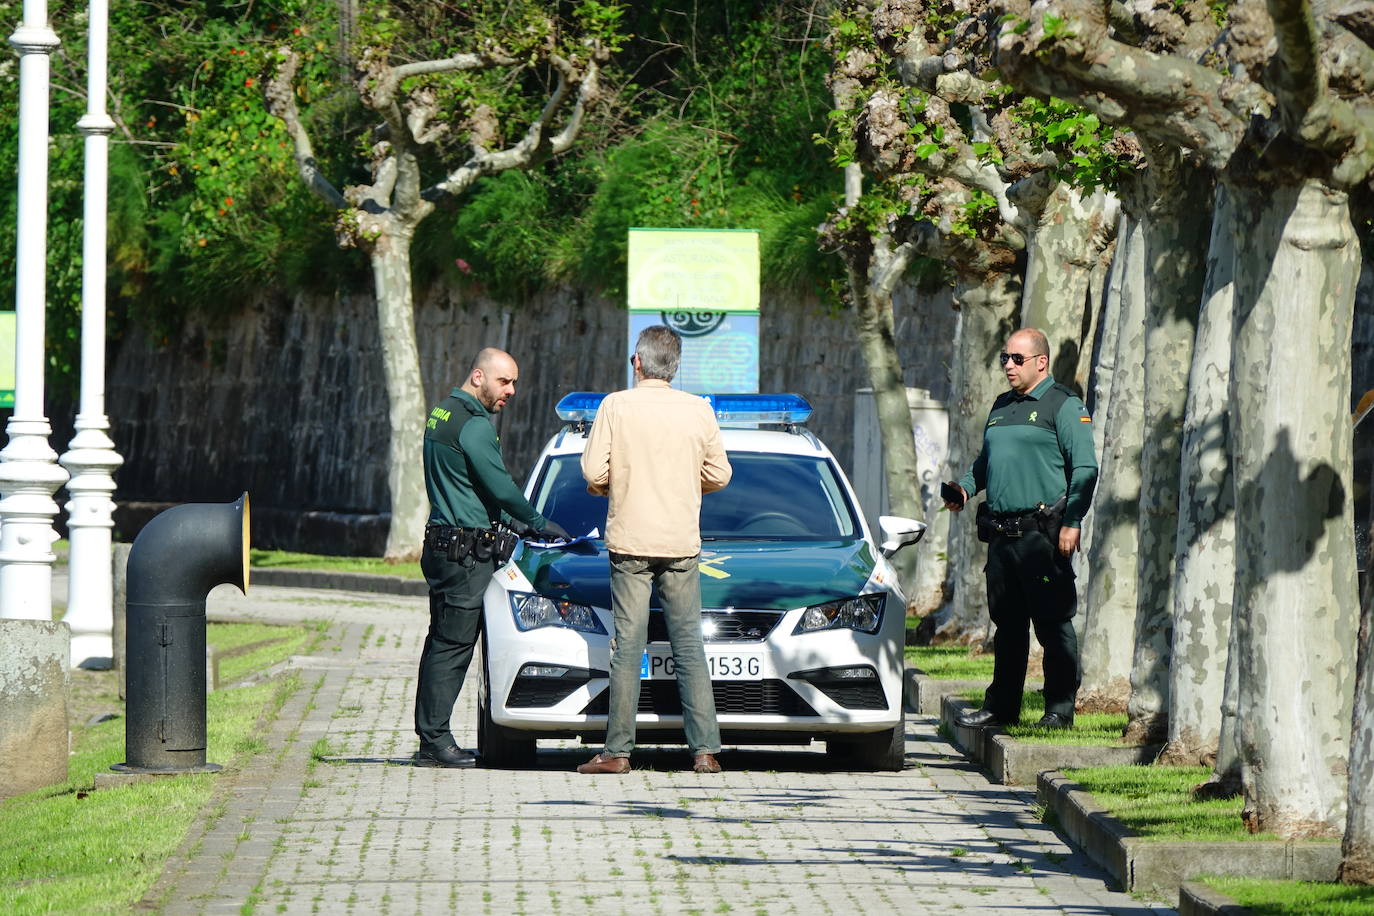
point(984, 523)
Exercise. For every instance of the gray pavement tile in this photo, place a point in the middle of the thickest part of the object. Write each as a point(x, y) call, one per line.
point(364, 832)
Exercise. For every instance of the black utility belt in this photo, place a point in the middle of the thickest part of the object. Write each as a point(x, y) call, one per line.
point(1015, 525)
point(482, 544)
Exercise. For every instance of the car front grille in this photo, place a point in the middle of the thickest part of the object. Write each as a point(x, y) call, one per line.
point(733, 698)
point(723, 626)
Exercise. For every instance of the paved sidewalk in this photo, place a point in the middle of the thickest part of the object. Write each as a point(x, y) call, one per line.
point(365, 832)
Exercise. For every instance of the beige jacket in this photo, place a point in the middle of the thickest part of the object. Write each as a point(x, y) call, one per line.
point(654, 450)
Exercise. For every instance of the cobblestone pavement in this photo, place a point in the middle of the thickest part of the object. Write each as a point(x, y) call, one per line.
point(333, 818)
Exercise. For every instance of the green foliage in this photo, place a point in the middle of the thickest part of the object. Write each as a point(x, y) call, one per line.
point(708, 124)
point(1078, 139)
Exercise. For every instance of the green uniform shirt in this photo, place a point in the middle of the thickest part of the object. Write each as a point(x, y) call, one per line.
point(1036, 447)
point(467, 482)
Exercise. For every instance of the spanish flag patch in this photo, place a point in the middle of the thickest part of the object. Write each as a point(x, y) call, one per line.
point(1085, 419)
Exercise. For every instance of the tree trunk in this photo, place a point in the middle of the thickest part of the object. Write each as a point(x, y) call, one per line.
point(987, 317)
point(1297, 615)
point(878, 345)
point(1205, 570)
point(1357, 847)
point(1060, 262)
point(1176, 248)
point(390, 256)
point(1110, 609)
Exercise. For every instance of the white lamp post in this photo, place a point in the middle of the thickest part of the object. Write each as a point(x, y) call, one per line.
point(92, 459)
point(29, 474)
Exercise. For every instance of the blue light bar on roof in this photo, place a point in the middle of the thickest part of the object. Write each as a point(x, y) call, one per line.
point(581, 406)
point(760, 408)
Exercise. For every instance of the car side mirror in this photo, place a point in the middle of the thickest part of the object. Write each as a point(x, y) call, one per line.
point(899, 532)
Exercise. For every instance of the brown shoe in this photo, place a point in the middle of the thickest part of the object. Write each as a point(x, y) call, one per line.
point(705, 763)
point(605, 763)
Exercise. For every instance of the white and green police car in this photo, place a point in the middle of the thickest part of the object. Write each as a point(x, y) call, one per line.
point(802, 614)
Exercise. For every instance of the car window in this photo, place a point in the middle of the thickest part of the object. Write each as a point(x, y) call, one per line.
point(769, 496)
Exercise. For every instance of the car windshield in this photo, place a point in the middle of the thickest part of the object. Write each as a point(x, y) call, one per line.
point(770, 496)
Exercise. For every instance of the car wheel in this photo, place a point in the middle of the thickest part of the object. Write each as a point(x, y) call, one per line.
point(499, 746)
point(879, 751)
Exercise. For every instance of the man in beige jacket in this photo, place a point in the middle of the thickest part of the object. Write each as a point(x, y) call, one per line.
point(654, 451)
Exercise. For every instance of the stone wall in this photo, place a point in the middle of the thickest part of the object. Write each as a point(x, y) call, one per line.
point(286, 399)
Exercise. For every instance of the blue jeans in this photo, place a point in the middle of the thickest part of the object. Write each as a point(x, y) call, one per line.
point(679, 585)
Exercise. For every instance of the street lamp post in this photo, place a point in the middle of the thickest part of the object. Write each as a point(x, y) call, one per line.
point(29, 474)
point(91, 457)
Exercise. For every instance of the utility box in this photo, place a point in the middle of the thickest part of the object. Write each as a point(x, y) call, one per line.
point(923, 572)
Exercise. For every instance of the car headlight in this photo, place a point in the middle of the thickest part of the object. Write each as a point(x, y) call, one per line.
point(534, 611)
point(863, 613)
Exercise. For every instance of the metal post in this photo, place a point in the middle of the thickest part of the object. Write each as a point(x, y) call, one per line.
point(176, 560)
point(91, 458)
point(29, 474)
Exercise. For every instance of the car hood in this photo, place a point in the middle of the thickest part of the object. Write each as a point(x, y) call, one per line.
point(764, 575)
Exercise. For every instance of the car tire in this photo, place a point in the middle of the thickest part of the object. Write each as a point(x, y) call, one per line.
point(500, 747)
point(883, 751)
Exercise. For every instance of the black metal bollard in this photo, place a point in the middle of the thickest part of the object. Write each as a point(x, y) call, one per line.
point(175, 560)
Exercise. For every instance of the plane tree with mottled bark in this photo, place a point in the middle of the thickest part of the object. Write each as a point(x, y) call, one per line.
point(963, 172)
point(1280, 109)
point(456, 93)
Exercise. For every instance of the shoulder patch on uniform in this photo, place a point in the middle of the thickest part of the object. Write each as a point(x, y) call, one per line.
point(1085, 419)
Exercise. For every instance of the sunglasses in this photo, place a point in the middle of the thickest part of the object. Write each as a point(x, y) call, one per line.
point(1017, 358)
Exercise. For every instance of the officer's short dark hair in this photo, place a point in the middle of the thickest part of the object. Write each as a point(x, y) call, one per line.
point(659, 349)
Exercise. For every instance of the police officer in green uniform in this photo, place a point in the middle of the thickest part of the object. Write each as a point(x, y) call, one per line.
point(470, 493)
point(1038, 468)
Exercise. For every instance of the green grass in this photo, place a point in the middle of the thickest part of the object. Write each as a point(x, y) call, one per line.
point(71, 849)
point(281, 642)
point(1271, 897)
point(1154, 801)
point(281, 559)
point(1090, 729)
point(955, 663)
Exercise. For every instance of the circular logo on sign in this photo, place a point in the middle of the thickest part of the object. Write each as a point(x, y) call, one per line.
point(693, 324)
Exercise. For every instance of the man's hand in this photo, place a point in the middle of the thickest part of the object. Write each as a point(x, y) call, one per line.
point(949, 489)
point(552, 531)
point(1068, 540)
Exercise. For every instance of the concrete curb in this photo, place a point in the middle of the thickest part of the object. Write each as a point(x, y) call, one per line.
point(926, 692)
point(1016, 763)
point(1161, 867)
point(345, 581)
point(1197, 899)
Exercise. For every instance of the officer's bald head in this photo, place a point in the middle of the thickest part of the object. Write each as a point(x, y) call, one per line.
point(491, 380)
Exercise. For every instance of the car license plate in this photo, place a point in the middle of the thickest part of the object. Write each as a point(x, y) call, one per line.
point(730, 666)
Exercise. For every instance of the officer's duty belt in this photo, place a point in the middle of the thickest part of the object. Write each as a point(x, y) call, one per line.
point(456, 542)
point(1014, 525)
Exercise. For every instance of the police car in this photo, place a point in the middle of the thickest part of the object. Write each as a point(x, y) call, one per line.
point(802, 614)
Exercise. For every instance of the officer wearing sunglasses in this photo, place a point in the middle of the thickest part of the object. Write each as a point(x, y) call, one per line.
point(1038, 469)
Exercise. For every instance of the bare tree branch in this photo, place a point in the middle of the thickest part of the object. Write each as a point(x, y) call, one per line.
point(536, 145)
point(279, 95)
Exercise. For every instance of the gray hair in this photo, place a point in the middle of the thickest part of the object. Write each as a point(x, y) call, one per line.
point(659, 349)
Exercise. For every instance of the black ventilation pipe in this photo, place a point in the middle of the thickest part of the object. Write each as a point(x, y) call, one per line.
point(176, 559)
